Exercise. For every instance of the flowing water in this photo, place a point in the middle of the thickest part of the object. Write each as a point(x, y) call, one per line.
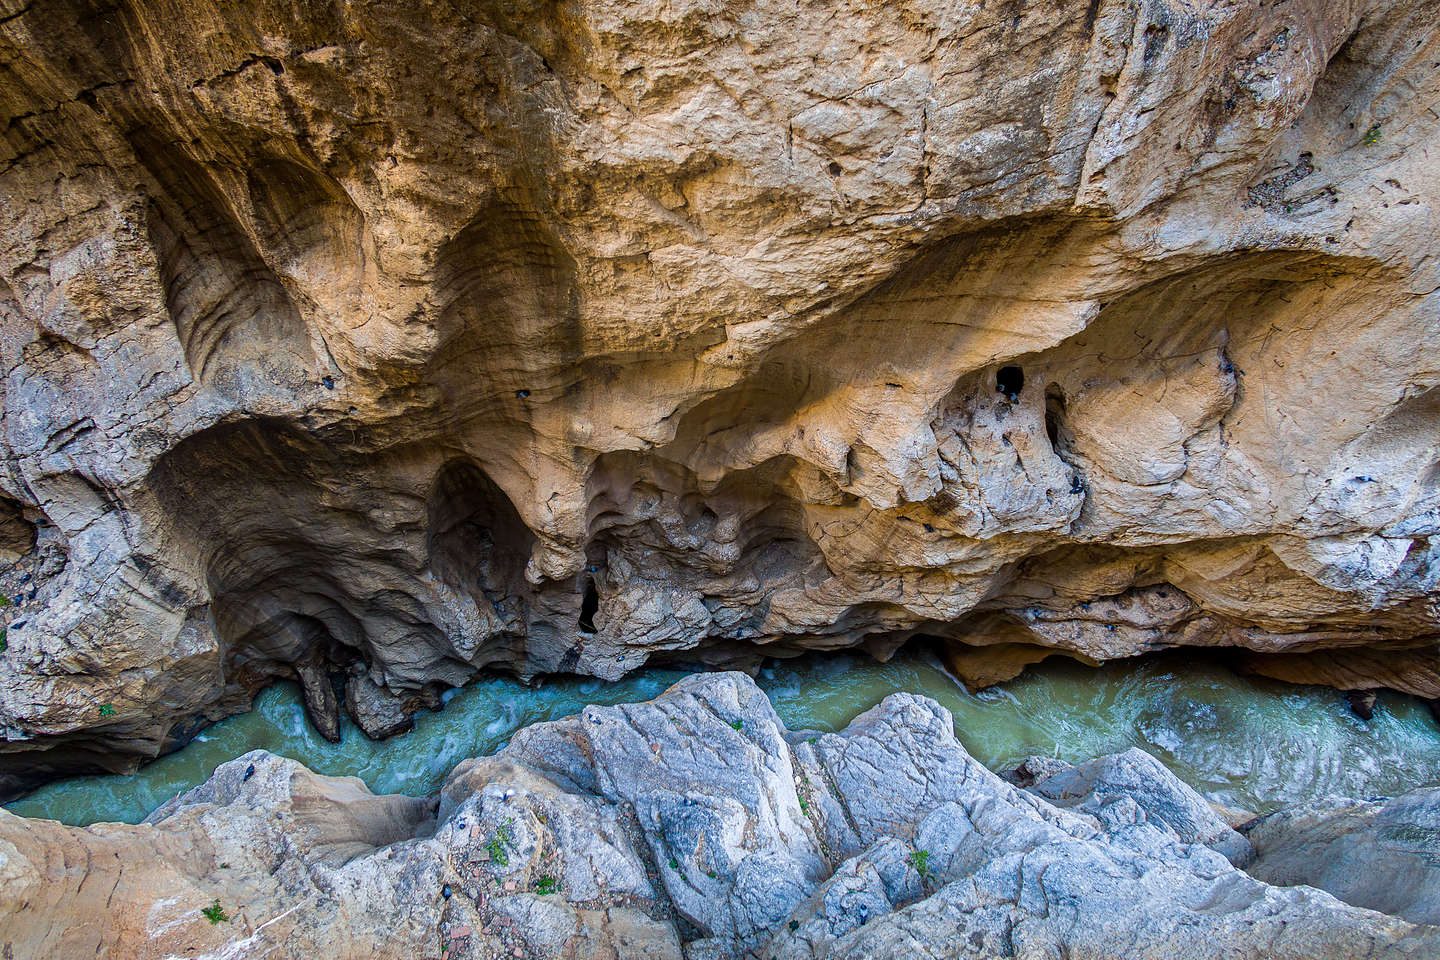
point(1249, 743)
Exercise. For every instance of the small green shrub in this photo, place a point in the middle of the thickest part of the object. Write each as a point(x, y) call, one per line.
point(106, 710)
point(4, 601)
point(920, 860)
point(794, 925)
point(1372, 136)
point(3, 642)
point(674, 864)
point(737, 724)
point(500, 843)
point(216, 913)
point(548, 883)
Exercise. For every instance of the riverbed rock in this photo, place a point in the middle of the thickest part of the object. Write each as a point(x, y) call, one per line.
point(693, 826)
point(379, 712)
point(1120, 781)
point(1383, 854)
point(423, 338)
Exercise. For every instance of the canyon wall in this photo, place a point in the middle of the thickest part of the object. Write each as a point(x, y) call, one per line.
point(377, 344)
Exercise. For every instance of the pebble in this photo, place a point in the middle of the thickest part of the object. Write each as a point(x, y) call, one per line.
point(509, 886)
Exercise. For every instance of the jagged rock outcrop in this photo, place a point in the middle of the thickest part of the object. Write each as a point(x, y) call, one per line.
point(693, 826)
point(406, 340)
point(1135, 776)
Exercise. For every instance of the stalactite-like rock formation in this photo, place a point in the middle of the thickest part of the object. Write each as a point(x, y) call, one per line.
point(375, 345)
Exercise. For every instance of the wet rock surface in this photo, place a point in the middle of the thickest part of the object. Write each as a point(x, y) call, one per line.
point(415, 339)
point(697, 826)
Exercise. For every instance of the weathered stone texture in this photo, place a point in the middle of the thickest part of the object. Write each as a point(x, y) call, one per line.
point(696, 826)
point(417, 338)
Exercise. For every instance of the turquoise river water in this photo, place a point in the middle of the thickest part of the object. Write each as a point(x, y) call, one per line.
point(1249, 743)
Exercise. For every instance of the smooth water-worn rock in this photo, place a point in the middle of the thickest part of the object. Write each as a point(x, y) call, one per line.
point(692, 826)
point(403, 340)
point(1381, 853)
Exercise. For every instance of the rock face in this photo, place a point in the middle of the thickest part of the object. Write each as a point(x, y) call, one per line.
point(1138, 777)
point(694, 826)
point(377, 344)
point(1382, 854)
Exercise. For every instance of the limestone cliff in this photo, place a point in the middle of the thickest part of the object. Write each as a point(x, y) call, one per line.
point(375, 344)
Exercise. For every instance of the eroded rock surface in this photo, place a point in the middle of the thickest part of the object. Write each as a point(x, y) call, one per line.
point(1136, 777)
point(412, 339)
point(693, 826)
point(1381, 853)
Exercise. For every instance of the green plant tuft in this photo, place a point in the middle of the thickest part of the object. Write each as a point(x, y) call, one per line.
point(106, 710)
point(548, 883)
point(500, 843)
point(674, 864)
point(1372, 136)
point(216, 913)
point(3, 642)
point(737, 724)
point(920, 860)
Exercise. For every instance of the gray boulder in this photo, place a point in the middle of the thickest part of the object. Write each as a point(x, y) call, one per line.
point(1381, 854)
point(1106, 787)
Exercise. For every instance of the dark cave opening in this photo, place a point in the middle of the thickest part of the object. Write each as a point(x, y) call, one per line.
point(477, 539)
point(589, 606)
point(1055, 427)
point(1010, 381)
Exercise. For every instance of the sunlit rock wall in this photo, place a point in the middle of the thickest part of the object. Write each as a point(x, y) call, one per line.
point(377, 344)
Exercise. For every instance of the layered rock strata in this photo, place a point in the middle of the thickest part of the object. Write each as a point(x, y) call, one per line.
point(697, 826)
point(374, 345)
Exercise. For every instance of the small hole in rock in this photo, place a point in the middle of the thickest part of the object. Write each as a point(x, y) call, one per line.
point(1010, 381)
point(588, 606)
point(834, 169)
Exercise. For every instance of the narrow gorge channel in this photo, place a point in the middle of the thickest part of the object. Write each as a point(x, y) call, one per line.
point(1250, 744)
point(720, 480)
